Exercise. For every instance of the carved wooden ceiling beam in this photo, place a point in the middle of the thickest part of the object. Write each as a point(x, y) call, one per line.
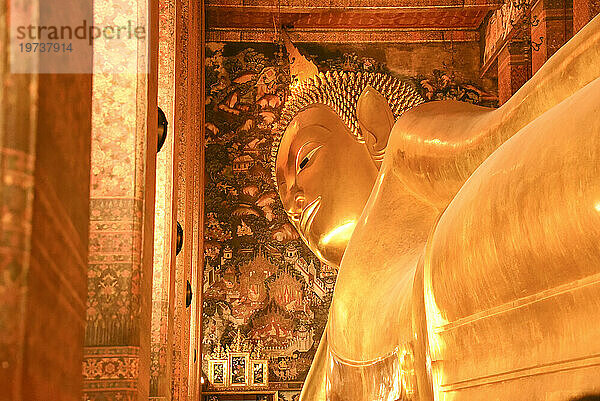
point(362, 4)
point(372, 21)
point(344, 36)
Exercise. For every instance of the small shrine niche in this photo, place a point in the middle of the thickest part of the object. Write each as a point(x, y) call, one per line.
point(242, 364)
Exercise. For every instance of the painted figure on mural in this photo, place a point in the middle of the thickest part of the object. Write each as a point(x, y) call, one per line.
point(238, 370)
point(258, 373)
point(468, 234)
point(219, 374)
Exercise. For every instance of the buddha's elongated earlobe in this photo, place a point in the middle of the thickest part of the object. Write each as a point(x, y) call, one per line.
point(376, 120)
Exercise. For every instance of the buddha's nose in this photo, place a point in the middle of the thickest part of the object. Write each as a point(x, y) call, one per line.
point(295, 208)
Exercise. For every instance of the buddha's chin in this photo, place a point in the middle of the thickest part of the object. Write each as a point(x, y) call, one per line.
point(329, 247)
point(332, 245)
point(329, 254)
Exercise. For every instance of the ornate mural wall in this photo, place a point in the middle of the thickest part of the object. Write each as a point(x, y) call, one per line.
point(259, 277)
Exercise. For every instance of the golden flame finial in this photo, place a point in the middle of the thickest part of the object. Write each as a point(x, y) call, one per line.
point(300, 68)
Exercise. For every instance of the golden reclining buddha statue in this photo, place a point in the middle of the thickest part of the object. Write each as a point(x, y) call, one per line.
point(467, 238)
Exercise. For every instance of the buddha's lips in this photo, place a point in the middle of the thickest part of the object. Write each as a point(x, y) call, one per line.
point(308, 215)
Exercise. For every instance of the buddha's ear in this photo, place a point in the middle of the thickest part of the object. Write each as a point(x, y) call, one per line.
point(376, 120)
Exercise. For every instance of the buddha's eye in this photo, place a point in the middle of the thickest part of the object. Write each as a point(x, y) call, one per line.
point(306, 155)
point(303, 163)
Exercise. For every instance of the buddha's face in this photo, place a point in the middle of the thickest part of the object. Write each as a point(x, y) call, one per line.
point(324, 178)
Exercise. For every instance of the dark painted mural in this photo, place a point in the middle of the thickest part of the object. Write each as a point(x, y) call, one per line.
point(259, 276)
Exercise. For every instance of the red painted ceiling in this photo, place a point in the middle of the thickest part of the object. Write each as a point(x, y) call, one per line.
point(344, 15)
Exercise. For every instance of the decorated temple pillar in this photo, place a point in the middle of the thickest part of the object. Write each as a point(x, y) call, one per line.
point(198, 118)
point(165, 224)
point(554, 29)
point(189, 170)
point(124, 129)
point(583, 12)
point(44, 196)
point(506, 37)
point(514, 68)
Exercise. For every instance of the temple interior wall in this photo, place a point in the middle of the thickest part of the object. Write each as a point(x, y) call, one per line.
point(78, 183)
